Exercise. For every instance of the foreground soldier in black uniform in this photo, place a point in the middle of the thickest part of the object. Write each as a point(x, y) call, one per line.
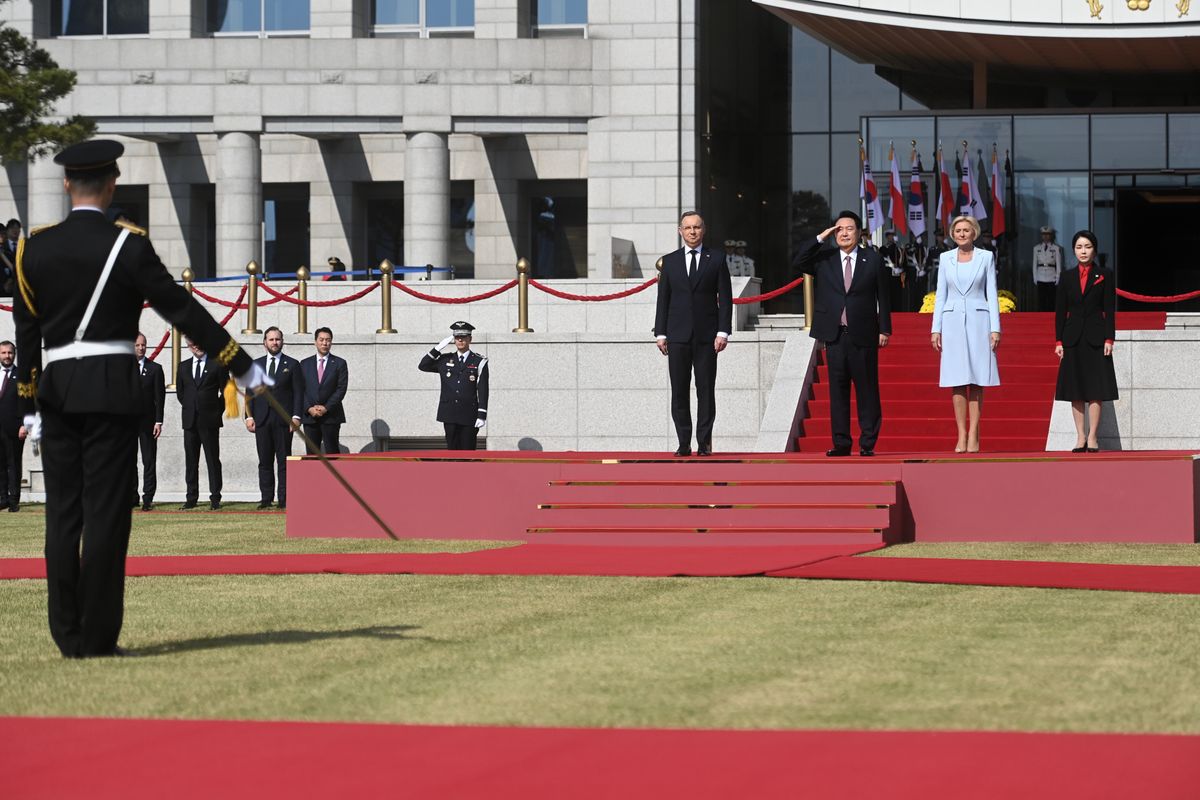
point(80, 287)
point(462, 409)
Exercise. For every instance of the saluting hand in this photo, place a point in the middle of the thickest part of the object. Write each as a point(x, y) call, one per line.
point(825, 233)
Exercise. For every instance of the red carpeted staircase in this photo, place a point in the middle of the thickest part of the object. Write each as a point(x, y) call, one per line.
point(721, 496)
point(917, 415)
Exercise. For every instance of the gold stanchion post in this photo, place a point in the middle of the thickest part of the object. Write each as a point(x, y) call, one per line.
point(302, 275)
point(176, 339)
point(523, 297)
point(252, 299)
point(808, 302)
point(387, 268)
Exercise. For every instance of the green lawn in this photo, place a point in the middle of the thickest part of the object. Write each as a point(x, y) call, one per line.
point(742, 653)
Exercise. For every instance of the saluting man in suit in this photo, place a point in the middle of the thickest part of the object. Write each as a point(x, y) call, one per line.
point(272, 435)
point(462, 408)
point(200, 389)
point(80, 289)
point(154, 395)
point(12, 432)
point(325, 378)
point(853, 320)
point(692, 324)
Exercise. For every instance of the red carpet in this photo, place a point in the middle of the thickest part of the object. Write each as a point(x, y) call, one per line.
point(529, 559)
point(96, 758)
point(1044, 574)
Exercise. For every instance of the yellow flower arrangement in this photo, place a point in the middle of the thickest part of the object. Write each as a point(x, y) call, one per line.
point(1008, 302)
point(927, 303)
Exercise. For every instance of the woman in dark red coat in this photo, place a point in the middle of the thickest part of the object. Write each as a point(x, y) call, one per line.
point(1085, 326)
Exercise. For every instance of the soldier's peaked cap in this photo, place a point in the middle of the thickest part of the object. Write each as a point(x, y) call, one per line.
point(93, 155)
point(461, 328)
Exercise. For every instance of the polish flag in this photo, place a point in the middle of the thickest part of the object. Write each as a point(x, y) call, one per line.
point(945, 194)
point(899, 206)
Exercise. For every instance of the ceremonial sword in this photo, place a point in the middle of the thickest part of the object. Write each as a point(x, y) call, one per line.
point(262, 391)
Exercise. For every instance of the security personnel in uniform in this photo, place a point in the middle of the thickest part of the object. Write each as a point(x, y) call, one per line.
point(745, 265)
point(1047, 269)
point(80, 288)
point(462, 409)
point(732, 258)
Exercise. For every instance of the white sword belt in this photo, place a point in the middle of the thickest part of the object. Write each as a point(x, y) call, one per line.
point(87, 350)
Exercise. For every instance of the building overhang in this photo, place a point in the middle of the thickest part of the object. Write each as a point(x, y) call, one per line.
point(1054, 36)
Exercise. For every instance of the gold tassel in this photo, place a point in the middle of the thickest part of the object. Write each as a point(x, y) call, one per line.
point(231, 400)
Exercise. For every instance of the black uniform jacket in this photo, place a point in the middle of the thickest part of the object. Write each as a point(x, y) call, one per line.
point(154, 392)
point(57, 270)
point(694, 310)
point(1090, 315)
point(204, 401)
point(867, 304)
point(288, 390)
point(464, 386)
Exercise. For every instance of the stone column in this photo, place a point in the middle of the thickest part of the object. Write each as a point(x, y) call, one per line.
point(239, 201)
point(427, 201)
point(48, 200)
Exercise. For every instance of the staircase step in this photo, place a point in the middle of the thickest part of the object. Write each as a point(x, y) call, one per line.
point(830, 534)
point(914, 373)
point(931, 444)
point(931, 392)
point(937, 427)
point(736, 492)
point(859, 515)
point(994, 408)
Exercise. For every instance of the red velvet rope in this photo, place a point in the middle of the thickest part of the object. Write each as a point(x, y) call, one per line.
point(241, 306)
point(313, 303)
point(454, 300)
point(237, 305)
point(741, 301)
point(595, 297)
point(5, 308)
point(1144, 298)
point(161, 344)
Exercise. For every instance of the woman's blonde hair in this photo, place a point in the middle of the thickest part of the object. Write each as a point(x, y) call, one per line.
point(967, 218)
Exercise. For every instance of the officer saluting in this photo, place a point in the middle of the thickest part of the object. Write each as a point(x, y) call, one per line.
point(80, 287)
point(462, 409)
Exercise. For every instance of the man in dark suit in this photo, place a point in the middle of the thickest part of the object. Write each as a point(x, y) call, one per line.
point(12, 432)
point(200, 389)
point(154, 393)
point(326, 377)
point(692, 324)
point(272, 435)
point(88, 400)
point(462, 405)
point(853, 320)
point(8, 257)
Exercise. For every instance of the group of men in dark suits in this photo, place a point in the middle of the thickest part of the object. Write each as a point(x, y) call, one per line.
point(12, 431)
point(852, 321)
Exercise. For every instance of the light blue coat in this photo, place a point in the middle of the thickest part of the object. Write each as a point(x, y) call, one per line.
point(967, 310)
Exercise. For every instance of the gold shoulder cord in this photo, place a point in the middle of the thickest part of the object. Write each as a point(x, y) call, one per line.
point(129, 226)
point(228, 352)
point(22, 283)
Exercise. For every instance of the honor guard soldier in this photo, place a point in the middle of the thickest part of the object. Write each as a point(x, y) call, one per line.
point(80, 288)
point(462, 409)
point(1047, 268)
point(732, 258)
point(745, 267)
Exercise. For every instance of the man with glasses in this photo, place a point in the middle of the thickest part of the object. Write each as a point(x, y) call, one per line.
point(462, 409)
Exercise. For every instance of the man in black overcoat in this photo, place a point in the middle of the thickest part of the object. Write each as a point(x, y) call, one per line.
point(12, 432)
point(692, 323)
point(200, 389)
point(852, 320)
point(154, 394)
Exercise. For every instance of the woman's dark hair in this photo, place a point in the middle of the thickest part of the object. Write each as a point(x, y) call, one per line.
point(1085, 234)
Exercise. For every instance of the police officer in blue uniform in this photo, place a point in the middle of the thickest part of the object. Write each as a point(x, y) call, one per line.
point(462, 409)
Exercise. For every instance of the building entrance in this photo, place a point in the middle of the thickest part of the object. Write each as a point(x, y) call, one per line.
point(1156, 244)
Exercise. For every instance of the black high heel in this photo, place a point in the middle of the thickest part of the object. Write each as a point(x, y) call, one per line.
point(1092, 449)
point(1079, 449)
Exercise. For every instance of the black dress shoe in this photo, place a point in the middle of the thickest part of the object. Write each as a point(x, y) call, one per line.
point(683, 452)
point(866, 452)
point(282, 506)
point(187, 506)
point(215, 505)
point(704, 450)
point(838, 452)
point(263, 505)
point(14, 508)
point(147, 506)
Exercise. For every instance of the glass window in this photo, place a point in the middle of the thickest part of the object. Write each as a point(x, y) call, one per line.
point(855, 90)
point(462, 229)
point(900, 131)
point(558, 228)
point(285, 227)
point(397, 12)
point(810, 164)
point(449, 13)
point(980, 132)
point(1129, 141)
point(385, 222)
point(1059, 200)
point(1184, 145)
point(1051, 142)
point(810, 84)
point(843, 155)
point(100, 17)
point(561, 12)
point(258, 17)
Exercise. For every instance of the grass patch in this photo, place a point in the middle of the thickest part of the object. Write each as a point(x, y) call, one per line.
point(725, 653)
point(190, 533)
point(1186, 555)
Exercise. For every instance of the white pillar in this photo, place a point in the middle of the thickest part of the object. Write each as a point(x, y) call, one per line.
point(48, 200)
point(239, 202)
point(427, 201)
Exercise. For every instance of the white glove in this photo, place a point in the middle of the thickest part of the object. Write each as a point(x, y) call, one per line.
point(479, 423)
point(33, 427)
point(253, 379)
point(442, 344)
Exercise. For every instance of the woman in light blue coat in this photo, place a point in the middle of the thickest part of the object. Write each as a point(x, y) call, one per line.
point(966, 327)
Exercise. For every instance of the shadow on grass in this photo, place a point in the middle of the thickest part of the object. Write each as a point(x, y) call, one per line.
point(280, 637)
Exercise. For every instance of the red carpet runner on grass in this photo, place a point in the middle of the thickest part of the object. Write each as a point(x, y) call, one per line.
point(102, 758)
point(917, 415)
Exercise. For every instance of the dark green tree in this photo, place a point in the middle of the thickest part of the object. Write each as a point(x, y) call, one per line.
point(30, 84)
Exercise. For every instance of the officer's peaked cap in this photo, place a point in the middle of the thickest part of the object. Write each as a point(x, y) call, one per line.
point(461, 328)
point(88, 156)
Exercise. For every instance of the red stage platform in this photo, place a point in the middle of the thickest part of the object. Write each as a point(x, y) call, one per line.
point(755, 499)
